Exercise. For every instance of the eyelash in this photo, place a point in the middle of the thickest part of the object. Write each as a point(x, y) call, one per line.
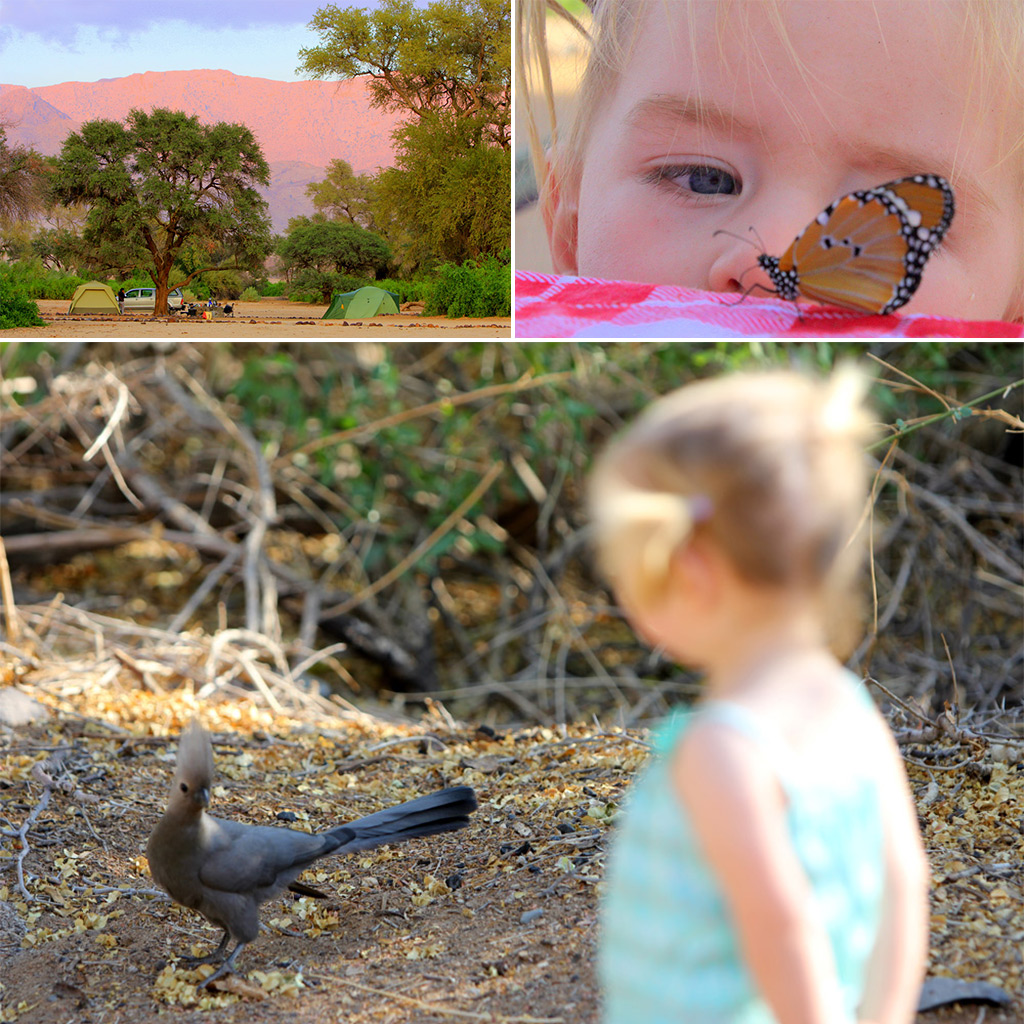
point(667, 177)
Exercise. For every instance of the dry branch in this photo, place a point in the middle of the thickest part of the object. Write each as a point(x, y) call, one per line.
point(548, 644)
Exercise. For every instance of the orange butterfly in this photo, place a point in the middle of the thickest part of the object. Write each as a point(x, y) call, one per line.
point(867, 250)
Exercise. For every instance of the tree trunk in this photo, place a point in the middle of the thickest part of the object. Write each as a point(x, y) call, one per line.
point(162, 290)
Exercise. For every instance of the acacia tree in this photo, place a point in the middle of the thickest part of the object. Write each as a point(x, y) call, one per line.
point(162, 180)
point(22, 172)
point(453, 54)
point(449, 190)
point(328, 250)
point(448, 66)
point(343, 195)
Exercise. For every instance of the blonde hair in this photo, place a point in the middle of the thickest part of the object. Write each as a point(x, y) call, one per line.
point(993, 38)
point(769, 466)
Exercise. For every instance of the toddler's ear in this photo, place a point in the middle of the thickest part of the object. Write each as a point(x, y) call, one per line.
point(560, 209)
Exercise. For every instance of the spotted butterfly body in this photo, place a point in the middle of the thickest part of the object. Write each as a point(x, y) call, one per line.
point(867, 250)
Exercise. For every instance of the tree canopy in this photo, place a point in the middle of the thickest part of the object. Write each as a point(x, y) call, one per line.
point(448, 66)
point(161, 180)
point(22, 173)
point(453, 55)
point(329, 250)
point(450, 192)
point(344, 195)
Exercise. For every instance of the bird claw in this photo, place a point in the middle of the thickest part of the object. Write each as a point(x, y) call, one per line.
point(224, 969)
point(197, 961)
point(211, 958)
point(228, 967)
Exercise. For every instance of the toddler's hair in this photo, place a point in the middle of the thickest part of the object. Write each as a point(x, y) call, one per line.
point(770, 466)
point(992, 30)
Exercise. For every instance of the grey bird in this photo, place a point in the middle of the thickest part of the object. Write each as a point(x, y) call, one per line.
point(226, 869)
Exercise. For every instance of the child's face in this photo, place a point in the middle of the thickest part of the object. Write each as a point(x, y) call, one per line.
point(891, 80)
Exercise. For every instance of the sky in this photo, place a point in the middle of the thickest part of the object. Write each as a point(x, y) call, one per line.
point(45, 42)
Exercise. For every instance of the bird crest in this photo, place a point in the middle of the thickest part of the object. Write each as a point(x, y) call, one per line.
point(195, 760)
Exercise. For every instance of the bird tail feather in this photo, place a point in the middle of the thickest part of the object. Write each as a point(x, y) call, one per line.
point(444, 811)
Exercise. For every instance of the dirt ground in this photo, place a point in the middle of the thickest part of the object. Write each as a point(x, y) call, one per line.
point(267, 318)
point(498, 922)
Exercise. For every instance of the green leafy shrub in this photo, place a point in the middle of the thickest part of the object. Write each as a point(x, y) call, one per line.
point(317, 286)
point(36, 281)
point(249, 295)
point(407, 291)
point(16, 310)
point(136, 282)
point(224, 284)
point(274, 289)
point(473, 289)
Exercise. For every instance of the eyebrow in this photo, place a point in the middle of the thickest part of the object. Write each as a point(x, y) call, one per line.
point(663, 107)
point(665, 113)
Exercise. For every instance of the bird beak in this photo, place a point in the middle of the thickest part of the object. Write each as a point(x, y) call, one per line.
point(202, 796)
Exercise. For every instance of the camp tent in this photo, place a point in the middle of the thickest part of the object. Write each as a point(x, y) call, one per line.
point(93, 297)
point(361, 303)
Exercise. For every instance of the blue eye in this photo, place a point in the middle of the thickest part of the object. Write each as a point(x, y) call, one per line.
point(710, 181)
point(698, 179)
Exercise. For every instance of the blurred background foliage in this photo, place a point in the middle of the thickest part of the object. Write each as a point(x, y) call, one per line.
point(456, 473)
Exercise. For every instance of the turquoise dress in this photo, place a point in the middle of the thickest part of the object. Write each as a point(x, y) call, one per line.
point(669, 953)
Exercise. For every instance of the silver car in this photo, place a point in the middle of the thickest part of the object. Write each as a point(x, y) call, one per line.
point(145, 299)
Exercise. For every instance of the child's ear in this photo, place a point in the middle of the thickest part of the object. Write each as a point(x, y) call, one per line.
point(697, 571)
point(560, 209)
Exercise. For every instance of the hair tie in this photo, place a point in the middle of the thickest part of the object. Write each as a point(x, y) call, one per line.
point(701, 507)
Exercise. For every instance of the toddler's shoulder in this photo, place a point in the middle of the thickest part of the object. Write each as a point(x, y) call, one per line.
point(723, 756)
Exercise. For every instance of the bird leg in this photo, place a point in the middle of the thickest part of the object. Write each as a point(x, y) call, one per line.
point(228, 966)
point(210, 958)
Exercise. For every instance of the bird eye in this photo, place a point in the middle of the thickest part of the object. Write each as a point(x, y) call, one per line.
point(184, 787)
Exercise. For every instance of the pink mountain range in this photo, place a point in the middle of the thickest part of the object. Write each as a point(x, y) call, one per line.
point(300, 126)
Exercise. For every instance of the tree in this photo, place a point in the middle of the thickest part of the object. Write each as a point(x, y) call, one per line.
point(454, 55)
point(450, 191)
point(343, 195)
point(449, 67)
point(22, 173)
point(58, 248)
point(331, 249)
point(162, 180)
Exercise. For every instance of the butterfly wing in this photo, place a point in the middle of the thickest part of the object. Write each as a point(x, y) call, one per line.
point(867, 251)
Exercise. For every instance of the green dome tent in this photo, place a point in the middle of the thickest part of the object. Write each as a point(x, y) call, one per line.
point(93, 297)
point(361, 303)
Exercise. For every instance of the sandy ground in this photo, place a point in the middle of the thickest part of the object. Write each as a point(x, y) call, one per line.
point(268, 318)
point(498, 922)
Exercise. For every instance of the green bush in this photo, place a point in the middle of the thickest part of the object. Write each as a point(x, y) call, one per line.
point(250, 295)
point(16, 310)
point(407, 291)
point(224, 284)
point(136, 282)
point(317, 287)
point(274, 289)
point(35, 281)
point(473, 289)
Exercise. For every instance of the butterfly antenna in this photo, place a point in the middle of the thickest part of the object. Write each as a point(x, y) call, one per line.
point(760, 241)
point(759, 245)
point(732, 234)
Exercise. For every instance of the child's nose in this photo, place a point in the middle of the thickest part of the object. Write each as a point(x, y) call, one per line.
point(735, 267)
